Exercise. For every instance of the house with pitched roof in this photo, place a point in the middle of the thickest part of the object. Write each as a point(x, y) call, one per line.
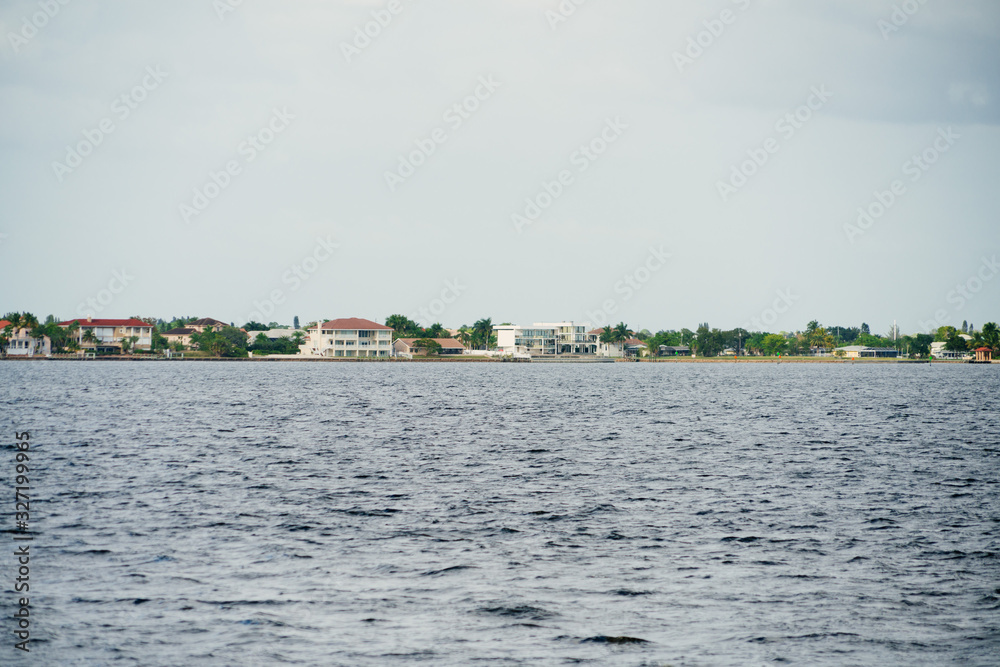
point(448, 346)
point(350, 337)
point(182, 334)
point(201, 325)
point(605, 349)
point(20, 342)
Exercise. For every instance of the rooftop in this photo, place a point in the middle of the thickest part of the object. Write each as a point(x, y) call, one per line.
point(90, 322)
point(354, 323)
point(450, 343)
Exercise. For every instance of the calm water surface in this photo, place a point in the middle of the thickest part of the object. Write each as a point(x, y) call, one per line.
point(455, 514)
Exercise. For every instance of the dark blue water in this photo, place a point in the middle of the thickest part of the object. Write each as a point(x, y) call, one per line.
point(455, 514)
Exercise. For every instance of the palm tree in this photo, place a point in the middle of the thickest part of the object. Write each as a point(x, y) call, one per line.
point(620, 334)
point(88, 336)
point(991, 335)
point(14, 319)
point(607, 335)
point(218, 345)
point(436, 330)
point(128, 344)
point(399, 323)
point(482, 331)
point(464, 335)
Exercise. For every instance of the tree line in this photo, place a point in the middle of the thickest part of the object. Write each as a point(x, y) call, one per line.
point(705, 341)
point(479, 336)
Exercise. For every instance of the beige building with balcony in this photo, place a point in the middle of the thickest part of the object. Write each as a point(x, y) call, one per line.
point(20, 343)
point(109, 334)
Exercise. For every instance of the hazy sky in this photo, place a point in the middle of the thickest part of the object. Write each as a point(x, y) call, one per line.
point(689, 161)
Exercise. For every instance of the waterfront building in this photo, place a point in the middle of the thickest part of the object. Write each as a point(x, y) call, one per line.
point(635, 348)
point(546, 338)
point(605, 349)
point(182, 334)
point(205, 323)
point(272, 334)
point(350, 337)
point(862, 351)
point(20, 342)
point(108, 334)
point(938, 351)
point(448, 346)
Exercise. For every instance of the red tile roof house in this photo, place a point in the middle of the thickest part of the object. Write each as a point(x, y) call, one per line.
point(605, 349)
point(350, 337)
point(634, 347)
point(110, 333)
point(448, 346)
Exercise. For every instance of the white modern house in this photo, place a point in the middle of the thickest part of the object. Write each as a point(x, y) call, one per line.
point(348, 337)
point(864, 352)
point(110, 333)
point(546, 338)
point(938, 351)
point(273, 334)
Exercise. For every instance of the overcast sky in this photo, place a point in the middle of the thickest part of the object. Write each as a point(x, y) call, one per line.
point(728, 149)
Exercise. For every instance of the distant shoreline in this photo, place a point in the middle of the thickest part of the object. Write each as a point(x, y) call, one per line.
point(477, 359)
